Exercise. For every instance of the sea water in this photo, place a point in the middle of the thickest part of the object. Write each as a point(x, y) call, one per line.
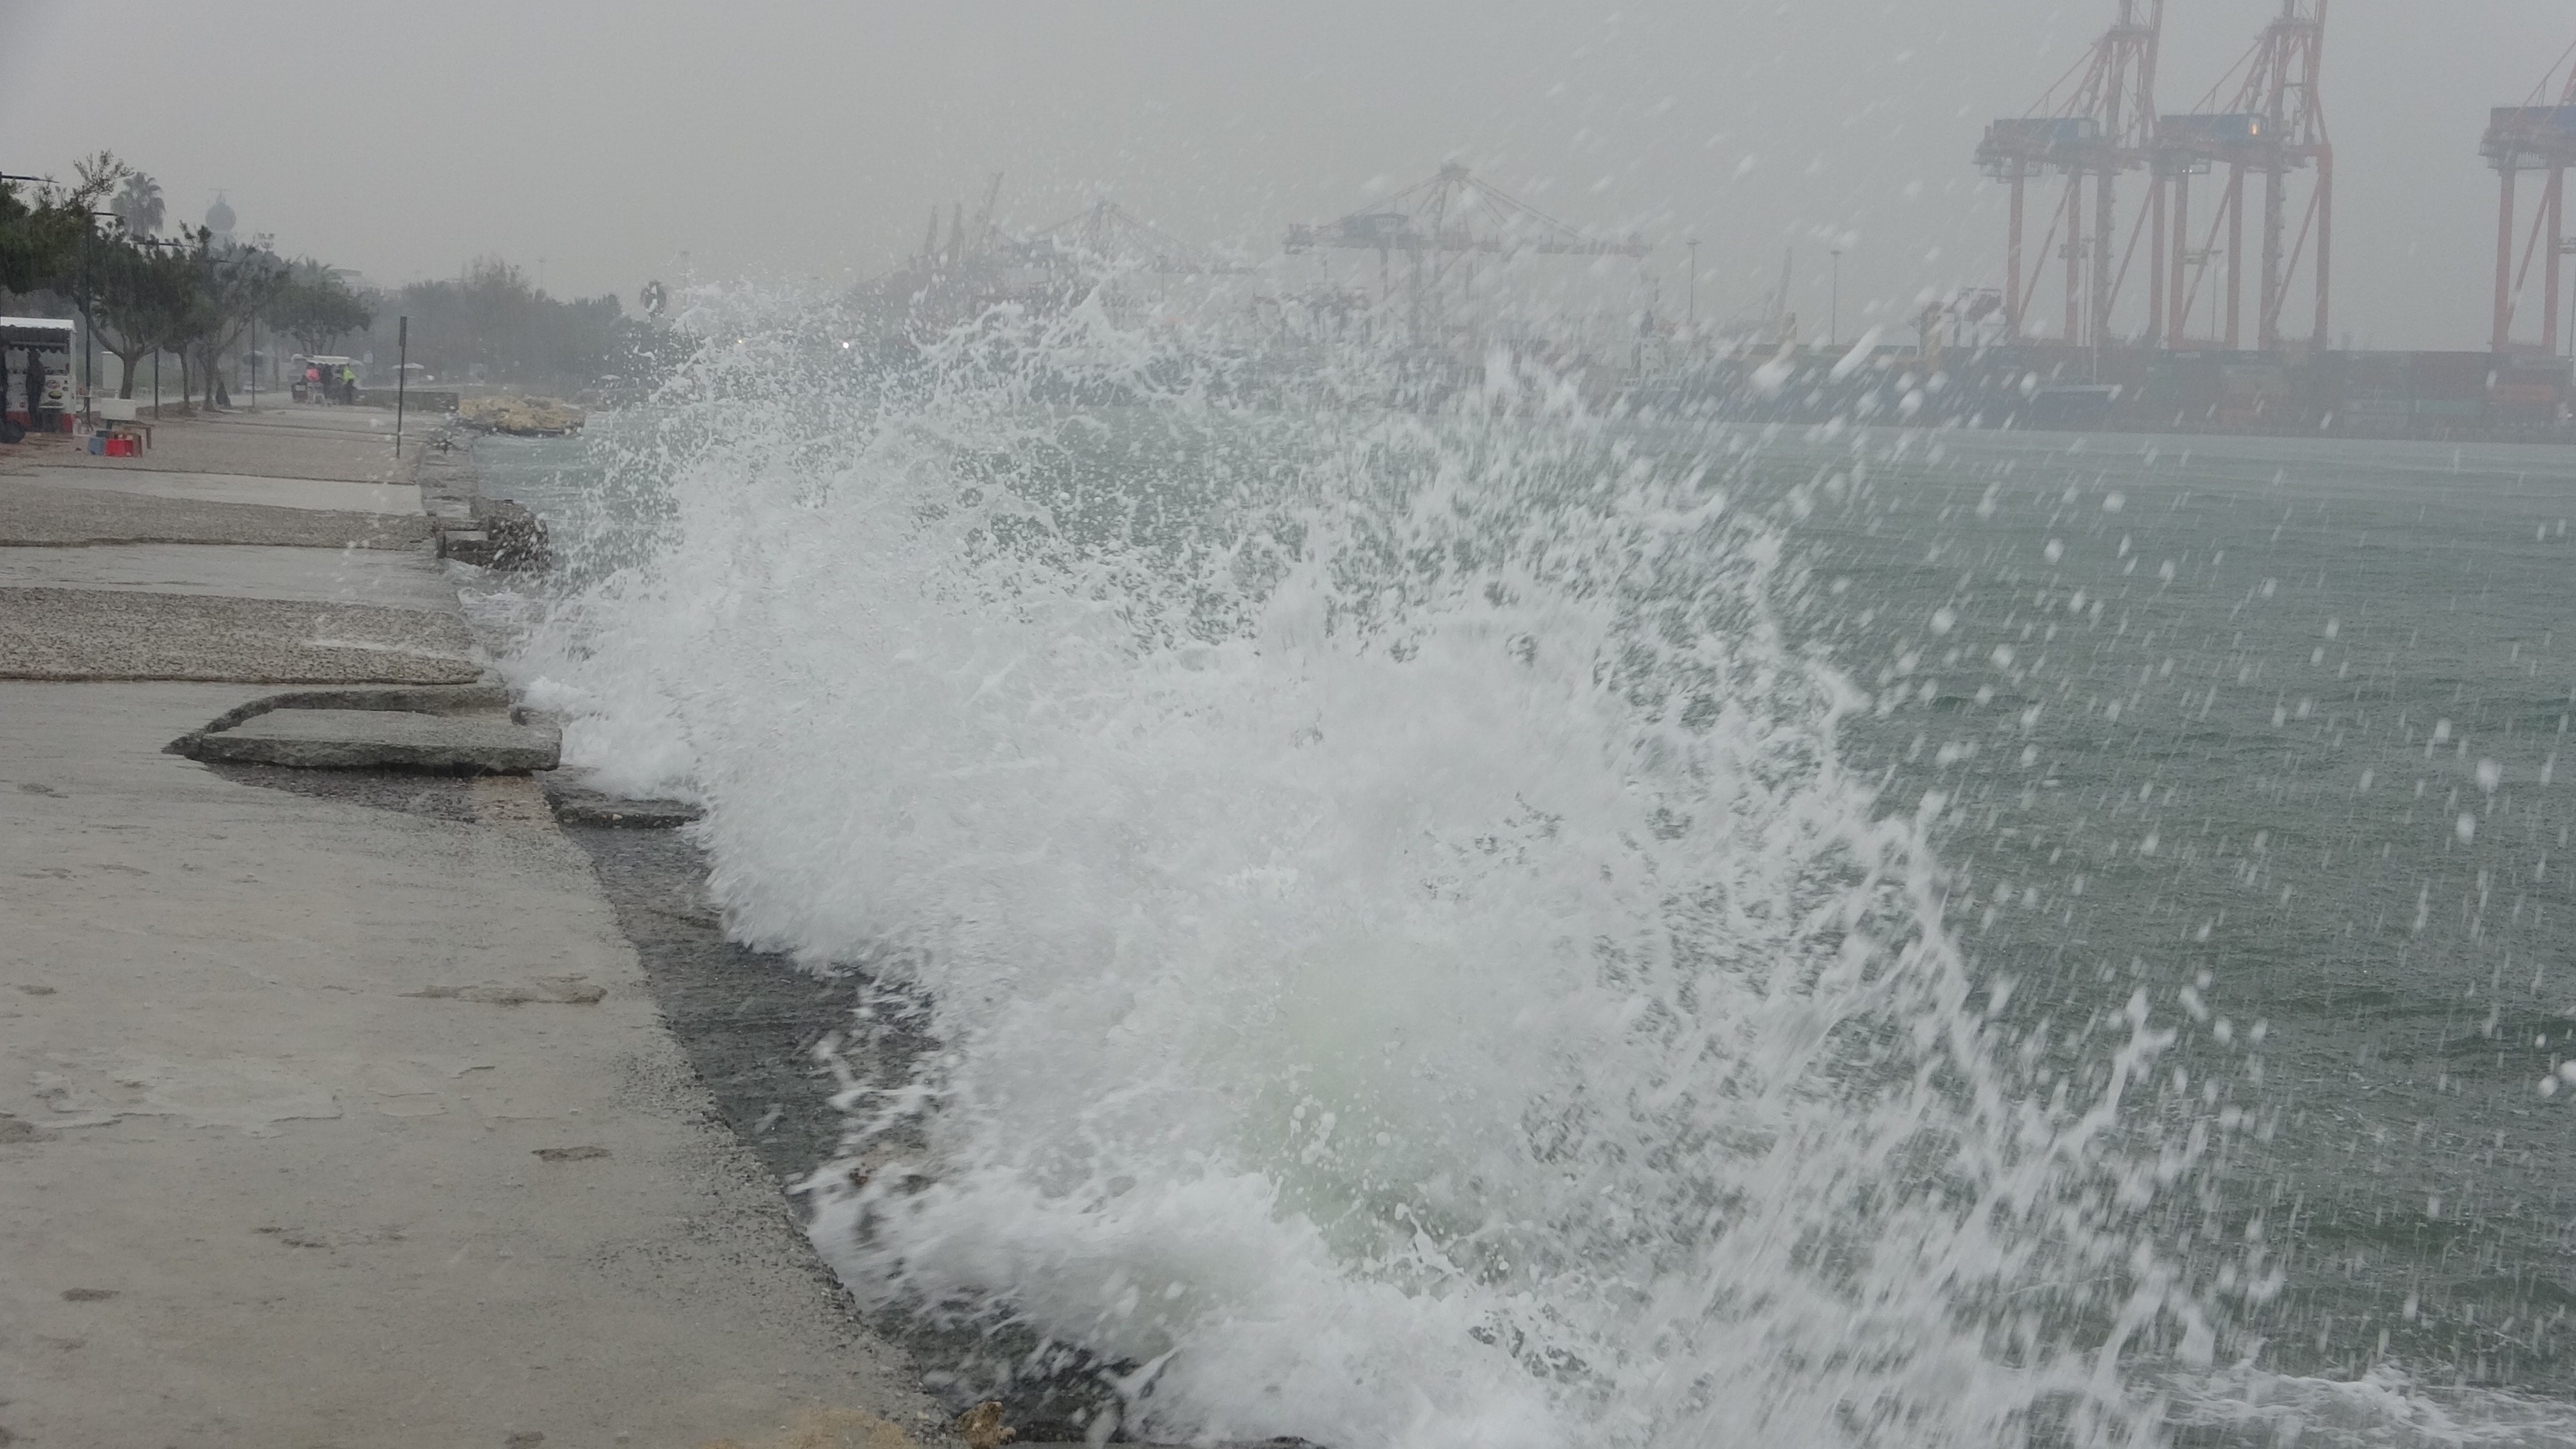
point(1494, 920)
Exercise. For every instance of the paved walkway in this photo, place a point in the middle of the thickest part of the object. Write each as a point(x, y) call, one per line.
point(326, 1121)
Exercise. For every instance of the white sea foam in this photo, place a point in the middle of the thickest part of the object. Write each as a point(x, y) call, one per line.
point(2383, 1409)
point(1407, 962)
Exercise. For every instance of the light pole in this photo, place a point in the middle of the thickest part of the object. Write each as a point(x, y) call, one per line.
point(89, 323)
point(402, 376)
point(1834, 328)
point(175, 244)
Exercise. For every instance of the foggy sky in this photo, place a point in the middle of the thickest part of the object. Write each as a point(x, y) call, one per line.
point(812, 140)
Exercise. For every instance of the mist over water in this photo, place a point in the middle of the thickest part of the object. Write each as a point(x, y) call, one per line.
point(1499, 922)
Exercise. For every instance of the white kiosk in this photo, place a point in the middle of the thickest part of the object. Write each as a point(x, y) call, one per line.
point(34, 348)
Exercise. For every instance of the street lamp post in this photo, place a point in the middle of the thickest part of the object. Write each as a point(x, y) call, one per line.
point(175, 244)
point(269, 282)
point(89, 324)
point(402, 376)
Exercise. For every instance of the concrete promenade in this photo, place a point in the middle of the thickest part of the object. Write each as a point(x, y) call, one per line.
point(339, 1118)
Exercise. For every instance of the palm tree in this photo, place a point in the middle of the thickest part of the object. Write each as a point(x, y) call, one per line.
point(138, 205)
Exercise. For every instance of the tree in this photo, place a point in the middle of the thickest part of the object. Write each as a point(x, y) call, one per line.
point(138, 205)
point(235, 285)
point(42, 229)
point(133, 296)
point(311, 304)
point(192, 294)
point(141, 299)
point(492, 319)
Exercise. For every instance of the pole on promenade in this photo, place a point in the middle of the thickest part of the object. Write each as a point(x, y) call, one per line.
point(89, 317)
point(402, 376)
point(89, 335)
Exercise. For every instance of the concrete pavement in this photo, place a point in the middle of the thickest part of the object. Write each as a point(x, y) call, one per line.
point(341, 1114)
point(34, 515)
point(405, 580)
point(234, 488)
point(69, 633)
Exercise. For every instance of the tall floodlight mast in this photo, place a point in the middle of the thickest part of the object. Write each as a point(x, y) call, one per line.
point(2532, 137)
point(2265, 117)
point(2098, 121)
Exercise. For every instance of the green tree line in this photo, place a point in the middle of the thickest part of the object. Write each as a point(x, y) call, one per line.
point(491, 324)
point(191, 294)
point(92, 245)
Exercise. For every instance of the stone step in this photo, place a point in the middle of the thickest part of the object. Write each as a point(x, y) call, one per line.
point(381, 739)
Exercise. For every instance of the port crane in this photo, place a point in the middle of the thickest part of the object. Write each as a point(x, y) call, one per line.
point(2534, 136)
point(2265, 117)
point(2097, 122)
point(1443, 227)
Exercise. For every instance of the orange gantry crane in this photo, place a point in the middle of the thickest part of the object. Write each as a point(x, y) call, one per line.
point(2097, 122)
point(2266, 117)
point(2532, 137)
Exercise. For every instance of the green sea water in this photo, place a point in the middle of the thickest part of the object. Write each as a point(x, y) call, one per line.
point(2275, 726)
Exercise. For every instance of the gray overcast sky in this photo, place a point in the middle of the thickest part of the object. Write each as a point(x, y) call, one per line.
point(812, 139)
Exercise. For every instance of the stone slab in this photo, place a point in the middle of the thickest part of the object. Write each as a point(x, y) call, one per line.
point(291, 1163)
point(315, 493)
point(34, 515)
point(349, 576)
point(97, 634)
point(380, 739)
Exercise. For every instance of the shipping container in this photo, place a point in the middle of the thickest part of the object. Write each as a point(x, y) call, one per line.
point(2455, 376)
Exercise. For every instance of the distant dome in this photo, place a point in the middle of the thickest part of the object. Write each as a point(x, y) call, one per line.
point(219, 217)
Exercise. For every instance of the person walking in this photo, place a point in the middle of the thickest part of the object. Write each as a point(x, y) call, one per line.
point(10, 429)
